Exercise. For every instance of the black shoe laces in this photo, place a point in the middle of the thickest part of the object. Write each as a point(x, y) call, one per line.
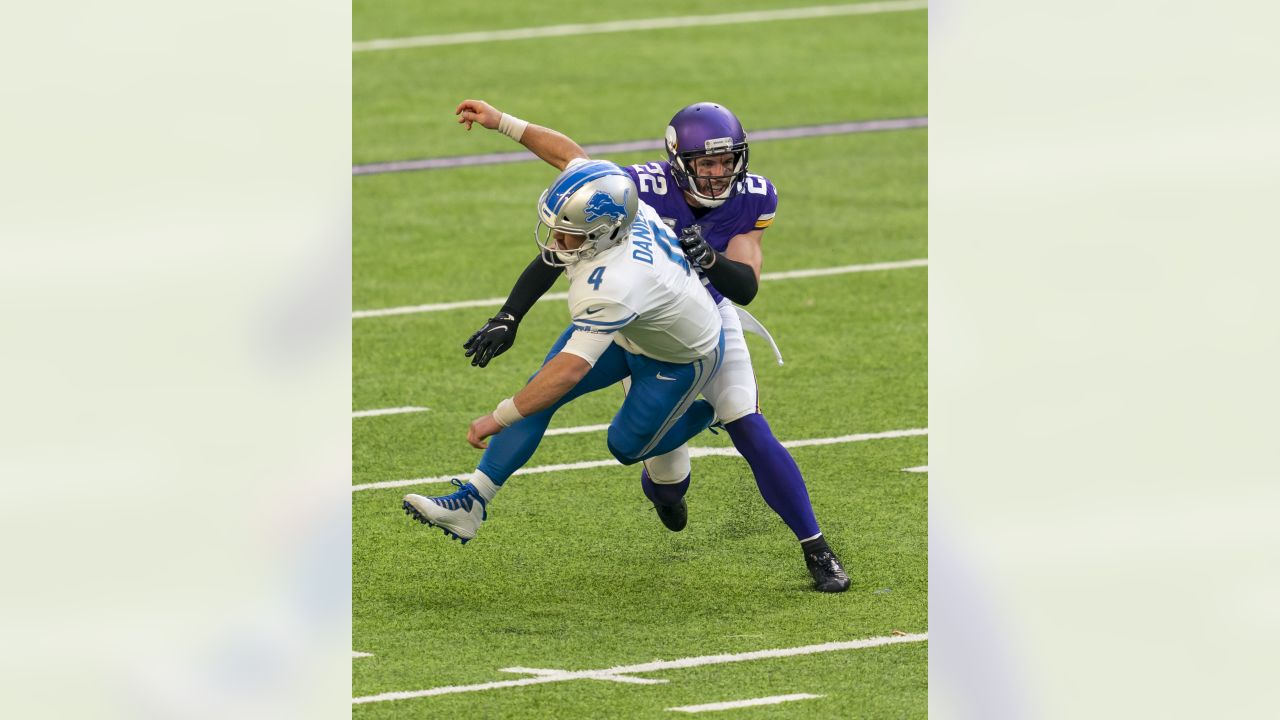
point(827, 562)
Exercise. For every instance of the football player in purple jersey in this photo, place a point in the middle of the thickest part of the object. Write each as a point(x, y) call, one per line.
point(720, 211)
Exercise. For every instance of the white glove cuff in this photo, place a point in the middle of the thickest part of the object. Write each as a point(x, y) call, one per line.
point(506, 413)
point(512, 126)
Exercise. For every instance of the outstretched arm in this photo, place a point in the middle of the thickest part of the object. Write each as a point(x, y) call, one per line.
point(556, 378)
point(553, 147)
point(499, 333)
point(534, 282)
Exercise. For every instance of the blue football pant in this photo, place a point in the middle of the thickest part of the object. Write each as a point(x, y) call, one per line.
point(658, 415)
point(734, 395)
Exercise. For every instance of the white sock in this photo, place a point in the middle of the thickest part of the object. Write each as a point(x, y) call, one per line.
point(484, 486)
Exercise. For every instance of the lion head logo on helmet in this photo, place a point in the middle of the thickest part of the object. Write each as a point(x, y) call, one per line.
point(602, 204)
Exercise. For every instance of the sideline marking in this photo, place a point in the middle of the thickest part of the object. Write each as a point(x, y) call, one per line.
point(387, 411)
point(921, 469)
point(503, 158)
point(785, 275)
point(559, 676)
point(638, 24)
point(357, 654)
point(694, 452)
point(771, 700)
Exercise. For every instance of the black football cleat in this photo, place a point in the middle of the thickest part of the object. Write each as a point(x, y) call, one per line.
point(828, 574)
point(675, 517)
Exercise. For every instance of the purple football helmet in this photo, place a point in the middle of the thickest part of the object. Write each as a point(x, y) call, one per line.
point(700, 130)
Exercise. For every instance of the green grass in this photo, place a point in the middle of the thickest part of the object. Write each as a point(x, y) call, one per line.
point(841, 200)
point(405, 18)
point(626, 86)
point(880, 378)
point(572, 570)
point(603, 584)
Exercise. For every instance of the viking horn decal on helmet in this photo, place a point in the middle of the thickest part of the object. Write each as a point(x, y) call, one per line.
point(700, 130)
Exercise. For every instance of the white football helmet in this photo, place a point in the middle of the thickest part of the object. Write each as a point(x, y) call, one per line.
point(595, 200)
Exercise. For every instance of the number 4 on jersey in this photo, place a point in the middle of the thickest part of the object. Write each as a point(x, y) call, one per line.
point(596, 277)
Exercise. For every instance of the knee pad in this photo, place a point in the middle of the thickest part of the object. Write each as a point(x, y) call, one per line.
point(734, 403)
point(670, 468)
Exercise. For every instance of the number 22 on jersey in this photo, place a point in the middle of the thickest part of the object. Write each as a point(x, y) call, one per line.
point(651, 178)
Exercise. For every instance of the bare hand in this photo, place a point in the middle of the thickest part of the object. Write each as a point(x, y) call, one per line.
point(469, 111)
point(482, 428)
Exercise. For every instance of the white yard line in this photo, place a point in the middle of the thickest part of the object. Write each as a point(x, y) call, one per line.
point(611, 462)
point(548, 676)
point(616, 26)
point(404, 695)
point(921, 469)
point(387, 411)
point(437, 307)
point(786, 275)
point(844, 269)
point(771, 700)
point(466, 473)
point(589, 675)
point(576, 430)
point(357, 654)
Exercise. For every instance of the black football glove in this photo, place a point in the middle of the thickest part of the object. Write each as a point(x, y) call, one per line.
point(492, 340)
point(696, 248)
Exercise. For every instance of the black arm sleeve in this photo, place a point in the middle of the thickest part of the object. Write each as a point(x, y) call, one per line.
point(534, 282)
point(735, 280)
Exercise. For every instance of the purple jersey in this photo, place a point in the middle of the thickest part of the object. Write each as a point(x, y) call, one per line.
point(751, 208)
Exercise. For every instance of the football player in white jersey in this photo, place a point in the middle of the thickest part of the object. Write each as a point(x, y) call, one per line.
point(639, 312)
point(720, 210)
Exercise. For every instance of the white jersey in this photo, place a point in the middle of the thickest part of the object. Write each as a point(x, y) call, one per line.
point(642, 295)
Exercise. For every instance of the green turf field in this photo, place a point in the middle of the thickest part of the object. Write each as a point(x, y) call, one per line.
point(572, 571)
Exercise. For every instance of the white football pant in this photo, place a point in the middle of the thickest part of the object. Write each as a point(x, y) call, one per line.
point(732, 392)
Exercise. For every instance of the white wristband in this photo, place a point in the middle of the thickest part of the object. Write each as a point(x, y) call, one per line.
point(506, 413)
point(512, 126)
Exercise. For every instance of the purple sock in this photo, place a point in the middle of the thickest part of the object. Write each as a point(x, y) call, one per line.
point(777, 476)
point(661, 494)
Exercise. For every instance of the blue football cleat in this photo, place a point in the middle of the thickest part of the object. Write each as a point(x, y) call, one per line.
point(459, 515)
